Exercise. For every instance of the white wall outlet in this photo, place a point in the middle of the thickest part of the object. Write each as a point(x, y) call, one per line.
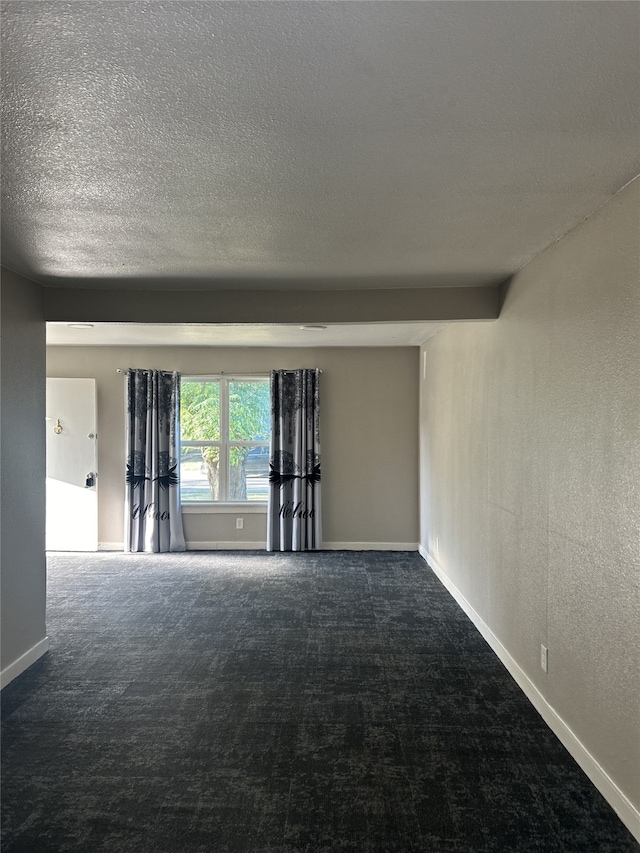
point(437, 544)
point(239, 523)
point(544, 658)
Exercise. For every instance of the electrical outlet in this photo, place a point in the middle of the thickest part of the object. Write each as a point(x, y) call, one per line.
point(544, 658)
point(239, 523)
point(437, 544)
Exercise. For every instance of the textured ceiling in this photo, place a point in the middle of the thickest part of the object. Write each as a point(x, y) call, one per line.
point(387, 144)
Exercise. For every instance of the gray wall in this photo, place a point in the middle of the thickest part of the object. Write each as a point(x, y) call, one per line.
point(22, 459)
point(369, 424)
point(530, 457)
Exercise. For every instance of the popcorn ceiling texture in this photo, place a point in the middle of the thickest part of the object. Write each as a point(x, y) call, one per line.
point(415, 143)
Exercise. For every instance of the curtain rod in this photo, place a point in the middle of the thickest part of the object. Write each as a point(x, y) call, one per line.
point(126, 370)
point(222, 372)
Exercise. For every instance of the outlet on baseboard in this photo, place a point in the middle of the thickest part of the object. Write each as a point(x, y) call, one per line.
point(544, 658)
point(239, 523)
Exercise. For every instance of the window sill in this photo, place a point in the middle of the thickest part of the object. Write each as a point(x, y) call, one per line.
point(221, 508)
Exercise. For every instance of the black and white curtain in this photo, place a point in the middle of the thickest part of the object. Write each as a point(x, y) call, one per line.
point(153, 521)
point(294, 521)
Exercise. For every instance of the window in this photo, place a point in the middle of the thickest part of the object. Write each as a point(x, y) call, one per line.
point(224, 439)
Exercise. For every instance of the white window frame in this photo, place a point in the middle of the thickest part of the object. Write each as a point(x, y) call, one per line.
point(224, 444)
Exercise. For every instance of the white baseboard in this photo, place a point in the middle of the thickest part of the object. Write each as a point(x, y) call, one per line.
point(261, 546)
point(370, 546)
point(618, 801)
point(198, 546)
point(23, 662)
point(326, 546)
point(226, 546)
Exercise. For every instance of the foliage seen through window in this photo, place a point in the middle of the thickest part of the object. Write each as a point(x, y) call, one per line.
point(225, 426)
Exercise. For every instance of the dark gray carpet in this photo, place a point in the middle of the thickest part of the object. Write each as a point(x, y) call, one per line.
point(263, 702)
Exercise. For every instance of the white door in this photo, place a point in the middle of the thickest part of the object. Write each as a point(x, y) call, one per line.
point(72, 500)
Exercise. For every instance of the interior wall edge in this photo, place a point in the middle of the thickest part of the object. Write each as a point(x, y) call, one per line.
point(22, 459)
point(13, 670)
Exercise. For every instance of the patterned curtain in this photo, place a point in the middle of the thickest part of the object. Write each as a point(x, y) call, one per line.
point(153, 521)
point(294, 516)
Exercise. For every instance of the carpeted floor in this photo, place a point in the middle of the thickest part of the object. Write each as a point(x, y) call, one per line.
point(243, 701)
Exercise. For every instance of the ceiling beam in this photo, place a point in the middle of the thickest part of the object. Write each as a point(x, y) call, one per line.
point(273, 306)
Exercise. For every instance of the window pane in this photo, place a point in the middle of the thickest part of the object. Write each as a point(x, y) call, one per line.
point(199, 473)
point(248, 473)
point(249, 411)
point(200, 411)
point(215, 413)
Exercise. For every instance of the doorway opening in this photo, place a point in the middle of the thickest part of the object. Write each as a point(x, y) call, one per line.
point(72, 475)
